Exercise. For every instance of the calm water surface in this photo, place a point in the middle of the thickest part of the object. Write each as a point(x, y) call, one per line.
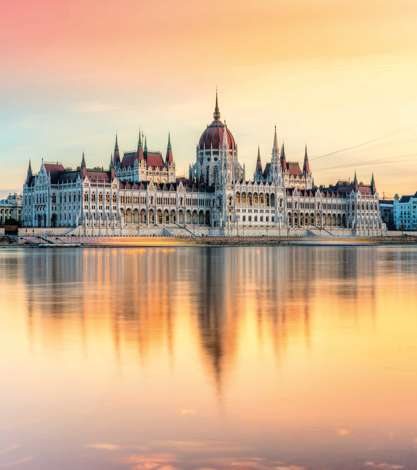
point(209, 358)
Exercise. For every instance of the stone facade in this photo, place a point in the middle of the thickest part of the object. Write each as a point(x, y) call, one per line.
point(10, 209)
point(141, 192)
point(405, 212)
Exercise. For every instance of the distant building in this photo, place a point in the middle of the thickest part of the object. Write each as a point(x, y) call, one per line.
point(141, 194)
point(386, 207)
point(405, 212)
point(11, 209)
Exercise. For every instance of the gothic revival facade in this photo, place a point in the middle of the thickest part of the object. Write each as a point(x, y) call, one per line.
point(141, 194)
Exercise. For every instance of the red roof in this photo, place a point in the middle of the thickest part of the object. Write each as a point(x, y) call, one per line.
point(365, 190)
point(98, 176)
point(293, 168)
point(213, 136)
point(154, 159)
point(54, 167)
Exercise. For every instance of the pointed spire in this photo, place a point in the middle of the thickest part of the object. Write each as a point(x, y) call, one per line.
point(282, 158)
point(83, 167)
point(216, 114)
point(169, 160)
point(258, 161)
point(140, 154)
point(145, 150)
point(373, 185)
point(306, 166)
point(275, 139)
point(29, 175)
point(275, 148)
point(355, 183)
point(258, 169)
point(116, 154)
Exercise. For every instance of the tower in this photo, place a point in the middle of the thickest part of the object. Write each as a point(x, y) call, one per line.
point(83, 167)
point(373, 185)
point(275, 174)
point(306, 164)
point(258, 171)
point(140, 153)
point(29, 174)
point(283, 160)
point(355, 183)
point(116, 154)
point(169, 159)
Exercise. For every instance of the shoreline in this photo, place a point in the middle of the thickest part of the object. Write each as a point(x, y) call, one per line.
point(148, 242)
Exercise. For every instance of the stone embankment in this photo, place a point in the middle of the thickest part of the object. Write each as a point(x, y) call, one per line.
point(85, 241)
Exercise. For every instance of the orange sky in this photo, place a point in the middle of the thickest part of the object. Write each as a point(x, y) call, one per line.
point(330, 73)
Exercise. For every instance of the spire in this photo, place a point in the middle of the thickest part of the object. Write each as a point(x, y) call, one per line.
point(258, 170)
point(116, 154)
point(169, 160)
point(216, 114)
point(282, 158)
point(29, 175)
point(373, 185)
point(140, 148)
point(275, 139)
point(355, 183)
point(145, 150)
point(258, 161)
point(275, 148)
point(83, 167)
point(306, 166)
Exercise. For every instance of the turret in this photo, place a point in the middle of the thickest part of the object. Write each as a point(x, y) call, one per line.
point(225, 139)
point(306, 165)
point(169, 160)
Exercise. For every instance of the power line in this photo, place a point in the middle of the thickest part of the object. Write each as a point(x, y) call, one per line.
point(362, 144)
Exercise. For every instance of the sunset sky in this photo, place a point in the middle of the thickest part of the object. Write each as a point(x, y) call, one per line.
point(338, 75)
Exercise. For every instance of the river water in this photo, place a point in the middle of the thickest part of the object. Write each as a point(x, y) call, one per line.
point(261, 358)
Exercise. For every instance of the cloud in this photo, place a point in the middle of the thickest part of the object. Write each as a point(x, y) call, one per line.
point(104, 446)
point(343, 432)
point(16, 463)
point(160, 461)
point(383, 465)
point(11, 448)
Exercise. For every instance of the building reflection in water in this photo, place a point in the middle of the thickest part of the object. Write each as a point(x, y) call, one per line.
point(246, 352)
point(140, 295)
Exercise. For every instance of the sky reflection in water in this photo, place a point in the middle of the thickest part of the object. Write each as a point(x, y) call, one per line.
point(217, 358)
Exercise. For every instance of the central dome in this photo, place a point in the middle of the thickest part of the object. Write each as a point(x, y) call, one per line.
point(213, 136)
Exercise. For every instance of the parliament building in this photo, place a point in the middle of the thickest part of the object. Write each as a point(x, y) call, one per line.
point(140, 194)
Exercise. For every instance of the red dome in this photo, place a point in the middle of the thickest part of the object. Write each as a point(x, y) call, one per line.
point(213, 136)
